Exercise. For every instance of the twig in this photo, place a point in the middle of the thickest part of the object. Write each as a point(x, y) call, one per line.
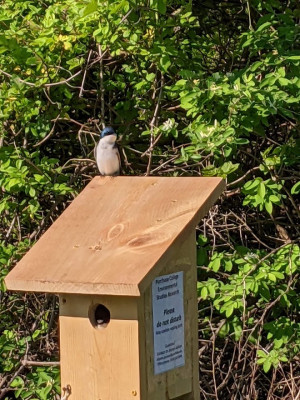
point(8, 388)
point(10, 228)
point(292, 201)
point(49, 134)
point(63, 81)
point(213, 355)
point(249, 16)
point(101, 87)
point(84, 73)
point(153, 123)
point(49, 98)
point(251, 231)
point(17, 373)
point(242, 177)
point(77, 159)
point(40, 363)
point(106, 51)
point(151, 147)
point(19, 79)
point(164, 164)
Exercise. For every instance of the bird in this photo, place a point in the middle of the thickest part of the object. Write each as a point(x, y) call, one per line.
point(107, 154)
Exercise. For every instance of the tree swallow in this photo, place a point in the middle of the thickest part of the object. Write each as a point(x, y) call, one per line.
point(107, 153)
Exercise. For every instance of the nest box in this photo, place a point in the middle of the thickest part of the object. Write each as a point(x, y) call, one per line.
point(122, 258)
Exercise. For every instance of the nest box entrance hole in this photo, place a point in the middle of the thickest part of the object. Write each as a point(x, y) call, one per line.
point(99, 316)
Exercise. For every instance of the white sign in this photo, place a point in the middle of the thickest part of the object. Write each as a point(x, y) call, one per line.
point(168, 322)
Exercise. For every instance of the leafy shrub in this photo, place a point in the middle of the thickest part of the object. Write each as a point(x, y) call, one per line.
point(205, 88)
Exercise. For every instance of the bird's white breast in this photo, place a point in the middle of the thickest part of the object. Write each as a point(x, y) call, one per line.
point(107, 156)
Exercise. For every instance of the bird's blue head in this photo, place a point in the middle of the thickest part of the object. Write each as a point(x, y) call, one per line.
point(108, 131)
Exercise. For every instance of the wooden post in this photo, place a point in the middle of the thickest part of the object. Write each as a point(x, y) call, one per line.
point(122, 258)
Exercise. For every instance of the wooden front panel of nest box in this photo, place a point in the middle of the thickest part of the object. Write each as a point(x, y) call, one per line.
point(99, 362)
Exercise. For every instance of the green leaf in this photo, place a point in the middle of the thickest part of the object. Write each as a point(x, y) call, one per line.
point(36, 334)
point(225, 329)
point(255, 65)
point(281, 71)
point(159, 5)
point(265, 292)
point(284, 81)
point(258, 199)
point(90, 8)
point(228, 265)
point(39, 177)
point(17, 382)
point(32, 192)
point(241, 141)
point(274, 199)
point(150, 77)
point(261, 354)
point(202, 257)
point(260, 361)
point(296, 188)
point(263, 26)
point(215, 264)
point(202, 240)
point(283, 358)
point(269, 207)
point(229, 310)
point(278, 274)
point(212, 291)
point(44, 376)
point(261, 190)
point(165, 62)
point(267, 366)
point(248, 42)
point(272, 277)
point(204, 293)
point(251, 184)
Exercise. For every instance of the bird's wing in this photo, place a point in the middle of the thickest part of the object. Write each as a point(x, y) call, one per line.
point(95, 151)
point(96, 154)
point(118, 155)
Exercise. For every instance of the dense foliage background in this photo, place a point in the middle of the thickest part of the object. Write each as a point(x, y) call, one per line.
point(208, 88)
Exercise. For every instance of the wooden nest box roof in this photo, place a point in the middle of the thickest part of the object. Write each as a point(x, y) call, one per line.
point(115, 236)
